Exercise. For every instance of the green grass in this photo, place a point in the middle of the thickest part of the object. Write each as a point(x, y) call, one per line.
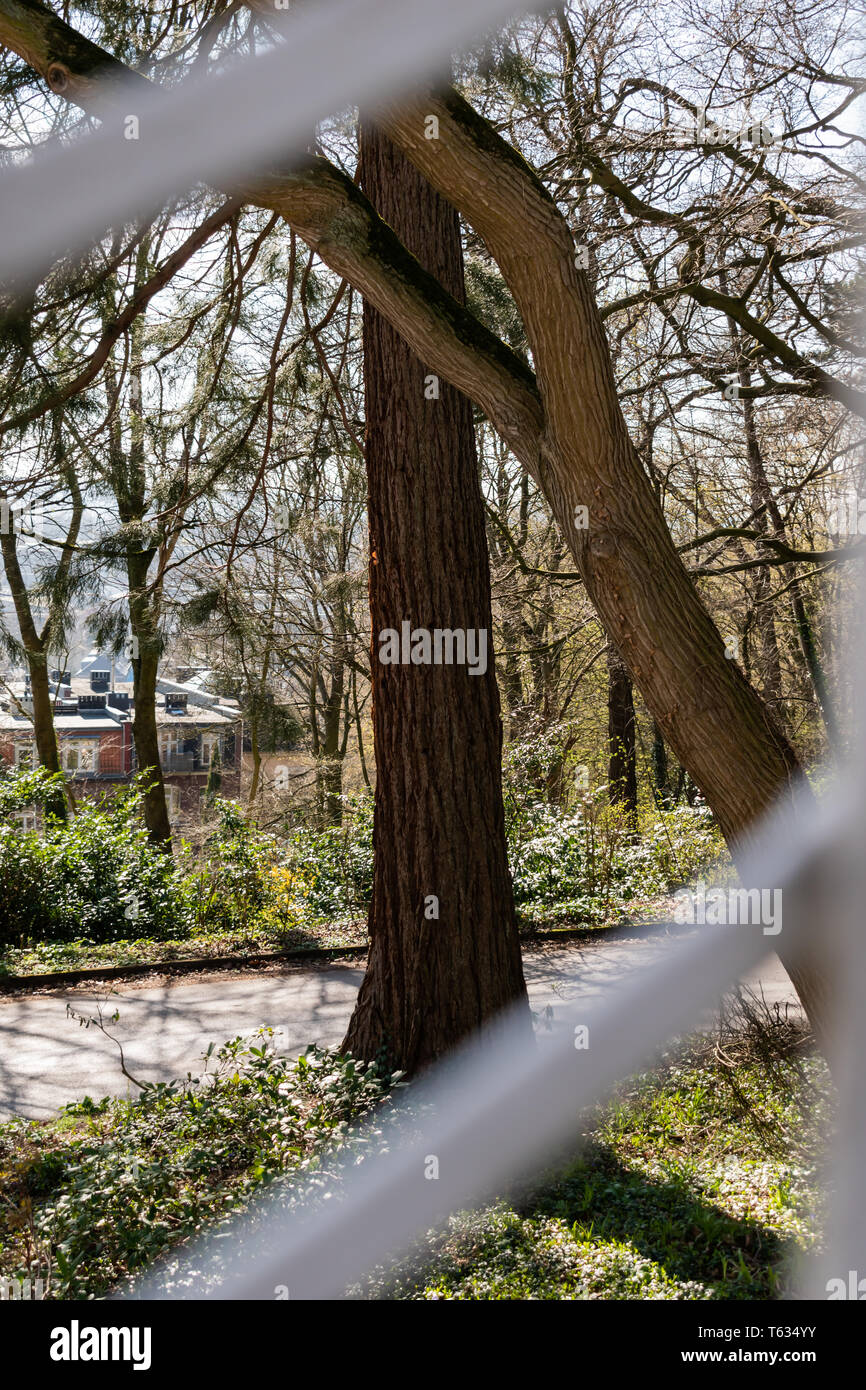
point(675, 1197)
point(699, 1180)
point(45, 957)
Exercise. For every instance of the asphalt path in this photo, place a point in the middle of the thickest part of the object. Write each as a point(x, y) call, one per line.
point(47, 1058)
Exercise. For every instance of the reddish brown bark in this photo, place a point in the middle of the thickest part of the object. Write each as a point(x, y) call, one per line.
point(439, 827)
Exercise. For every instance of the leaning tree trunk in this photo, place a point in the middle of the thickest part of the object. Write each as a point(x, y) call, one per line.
point(444, 950)
point(711, 718)
point(622, 759)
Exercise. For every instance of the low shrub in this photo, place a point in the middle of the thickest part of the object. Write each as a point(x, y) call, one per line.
point(96, 876)
point(98, 879)
point(115, 1184)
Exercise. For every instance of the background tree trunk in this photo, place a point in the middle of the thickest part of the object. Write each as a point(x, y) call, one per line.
point(44, 734)
point(439, 829)
point(144, 727)
point(661, 770)
point(622, 760)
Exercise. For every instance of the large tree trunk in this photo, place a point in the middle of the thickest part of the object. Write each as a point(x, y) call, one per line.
point(712, 719)
point(444, 951)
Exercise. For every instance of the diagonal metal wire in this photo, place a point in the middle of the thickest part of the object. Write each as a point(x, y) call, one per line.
point(216, 129)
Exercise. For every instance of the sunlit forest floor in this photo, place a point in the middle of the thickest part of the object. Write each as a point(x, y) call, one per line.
point(701, 1179)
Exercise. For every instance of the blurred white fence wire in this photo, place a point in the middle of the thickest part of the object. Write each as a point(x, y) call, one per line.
point(214, 129)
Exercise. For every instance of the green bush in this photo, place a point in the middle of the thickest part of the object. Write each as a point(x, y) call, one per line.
point(25, 911)
point(96, 877)
point(335, 866)
point(228, 887)
point(579, 862)
point(585, 861)
point(121, 1182)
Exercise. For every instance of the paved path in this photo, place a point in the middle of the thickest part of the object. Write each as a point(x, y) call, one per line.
point(47, 1059)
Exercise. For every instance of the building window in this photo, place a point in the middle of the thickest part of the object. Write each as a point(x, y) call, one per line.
point(208, 743)
point(26, 820)
point(80, 755)
point(24, 753)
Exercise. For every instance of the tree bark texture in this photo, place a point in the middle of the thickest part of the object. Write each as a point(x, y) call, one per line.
point(444, 950)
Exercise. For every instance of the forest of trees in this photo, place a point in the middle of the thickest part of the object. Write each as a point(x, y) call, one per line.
point(565, 352)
